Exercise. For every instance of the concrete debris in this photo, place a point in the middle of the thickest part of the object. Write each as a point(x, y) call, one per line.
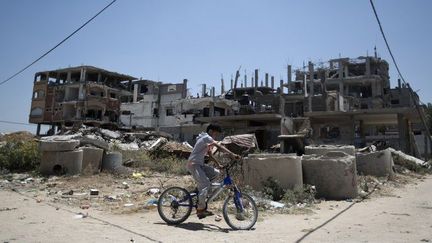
point(94, 192)
point(110, 134)
point(153, 191)
point(240, 143)
point(159, 142)
point(408, 161)
point(323, 149)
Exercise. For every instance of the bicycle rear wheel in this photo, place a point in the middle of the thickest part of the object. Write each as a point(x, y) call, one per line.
point(241, 213)
point(175, 205)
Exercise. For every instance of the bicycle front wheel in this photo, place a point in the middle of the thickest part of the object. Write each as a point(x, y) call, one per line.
point(240, 212)
point(175, 205)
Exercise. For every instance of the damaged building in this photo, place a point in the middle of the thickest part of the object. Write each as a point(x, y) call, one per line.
point(350, 101)
point(79, 95)
point(342, 101)
point(168, 108)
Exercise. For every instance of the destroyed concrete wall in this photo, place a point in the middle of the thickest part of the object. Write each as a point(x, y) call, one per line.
point(286, 169)
point(334, 175)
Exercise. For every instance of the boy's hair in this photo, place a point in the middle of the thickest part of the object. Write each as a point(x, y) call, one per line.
point(214, 127)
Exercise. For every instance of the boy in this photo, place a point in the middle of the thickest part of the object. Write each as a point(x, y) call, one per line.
point(202, 173)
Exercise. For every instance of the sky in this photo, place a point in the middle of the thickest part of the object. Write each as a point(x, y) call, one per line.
point(169, 40)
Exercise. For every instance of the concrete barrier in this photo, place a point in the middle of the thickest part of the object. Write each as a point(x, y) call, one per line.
point(57, 145)
point(286, 169)
point(379, 163)
point(60, 163)
point(92, 160)
point(323, 149)
point(333, 174)
point(111, 161)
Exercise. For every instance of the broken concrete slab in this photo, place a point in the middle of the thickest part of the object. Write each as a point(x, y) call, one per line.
point(110, 134)
point(407, 161)
point(92, 160)
point(379, 163)
point(323, 149)
point(286, 169)
point(89, 140)
point(58, 163)
point(57, 145)
point(127, 146)
point(333, 174)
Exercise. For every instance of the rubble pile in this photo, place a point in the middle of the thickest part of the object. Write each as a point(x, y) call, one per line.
point(90, 140)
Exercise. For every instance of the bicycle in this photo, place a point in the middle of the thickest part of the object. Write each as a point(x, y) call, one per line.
point(239, 209)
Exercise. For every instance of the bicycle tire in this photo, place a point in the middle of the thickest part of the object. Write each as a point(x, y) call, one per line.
point(167, 196)
point(249, 205)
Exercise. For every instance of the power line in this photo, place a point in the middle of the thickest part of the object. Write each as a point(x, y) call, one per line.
point(17, 123)
point(61, 42)
point(386, 42)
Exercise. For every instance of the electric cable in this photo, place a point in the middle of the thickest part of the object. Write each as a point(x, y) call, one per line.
point(61, 42)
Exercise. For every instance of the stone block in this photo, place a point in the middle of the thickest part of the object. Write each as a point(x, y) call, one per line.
point(60, 163)
point(379, 163)
point(333, 174)
point(286, 169)
point(92, 160)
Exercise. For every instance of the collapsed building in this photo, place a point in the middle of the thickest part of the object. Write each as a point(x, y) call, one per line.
point(78, 95)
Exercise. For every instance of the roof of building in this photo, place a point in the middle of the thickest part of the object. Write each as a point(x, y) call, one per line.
point(91, 68)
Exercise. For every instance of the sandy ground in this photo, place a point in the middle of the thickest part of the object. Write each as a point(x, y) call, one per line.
point(405, 215)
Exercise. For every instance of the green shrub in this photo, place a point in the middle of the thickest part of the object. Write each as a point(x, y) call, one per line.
point(273, 189)
point(304, 194)
point(169, 164)
point(20, 156)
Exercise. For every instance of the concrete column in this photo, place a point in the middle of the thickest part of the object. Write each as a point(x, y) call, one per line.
point(232, 83)
point(266, 79)
point(289, 78)
point(368, 69)
point(403, 134)
point(346, 71)
point(341, 88)
point(185, 81)
point(69, 77)
point(99, 78)
point(256, 78)
point(281, 87)
point(340, 70)
point(272, 82)
point(38, 129)
point(204, 88)
point(81, 92)
point(82, 75)
point(135, 93)
point(311, 87)
point(222, 86)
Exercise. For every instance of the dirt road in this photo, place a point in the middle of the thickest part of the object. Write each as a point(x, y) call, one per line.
point(406, 216)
